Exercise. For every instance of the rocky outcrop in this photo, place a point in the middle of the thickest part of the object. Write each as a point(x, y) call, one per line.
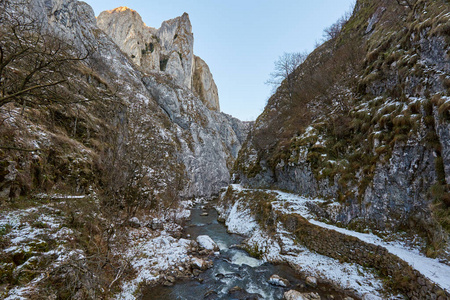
point(204, 85)
point(126, 28)
point(209, 140)
point(127, 62)
point(379, 152)
point(168, 49)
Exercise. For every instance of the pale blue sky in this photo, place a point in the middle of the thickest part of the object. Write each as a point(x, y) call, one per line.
point(240, 40)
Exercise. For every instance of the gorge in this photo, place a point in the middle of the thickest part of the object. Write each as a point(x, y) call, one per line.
point(112, 140)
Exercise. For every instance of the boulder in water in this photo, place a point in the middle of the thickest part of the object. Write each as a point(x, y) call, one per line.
point(296, 295)
point(200, 264)
point(278, 281)
point(207, 243)
point(239, 293)
point(210, 295)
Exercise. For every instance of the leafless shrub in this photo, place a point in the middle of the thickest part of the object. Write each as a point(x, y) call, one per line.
point(332, 32)
point(285, 70)
point(34, 65)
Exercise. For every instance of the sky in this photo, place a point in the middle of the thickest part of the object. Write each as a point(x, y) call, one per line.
point(241, 39)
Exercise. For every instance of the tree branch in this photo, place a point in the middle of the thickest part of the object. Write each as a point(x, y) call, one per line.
point(5, 100)
point(19, 149)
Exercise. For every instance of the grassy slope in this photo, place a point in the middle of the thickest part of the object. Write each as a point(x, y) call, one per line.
point(363, 94)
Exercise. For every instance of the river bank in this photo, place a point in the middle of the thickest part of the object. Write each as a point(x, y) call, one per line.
point(234, 273)
point(282, 228)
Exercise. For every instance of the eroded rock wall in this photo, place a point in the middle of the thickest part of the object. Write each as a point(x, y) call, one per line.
point(169, 49)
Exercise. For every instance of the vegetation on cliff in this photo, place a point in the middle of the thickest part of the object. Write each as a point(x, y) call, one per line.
point(376, 90)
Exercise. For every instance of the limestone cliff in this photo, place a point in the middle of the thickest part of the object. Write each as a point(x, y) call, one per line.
point(366, 125)
point(129, 32)
point(168, 49)
point(148, 105)
point(204, 85)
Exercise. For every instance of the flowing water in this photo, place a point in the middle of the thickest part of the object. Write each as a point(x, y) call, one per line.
point(233, 267)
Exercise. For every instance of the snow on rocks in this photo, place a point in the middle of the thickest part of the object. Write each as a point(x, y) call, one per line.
point(28, 233)
point(296, 295)
point(431, 268)
point(134, 222)
point(201, 264)
point(371, 297)
point(346, 275)
point(278, 281)
point(293, 295)
point(311, 281)
point(240, 220)
point(149, 257)
point(287, 203)
point(207, 243)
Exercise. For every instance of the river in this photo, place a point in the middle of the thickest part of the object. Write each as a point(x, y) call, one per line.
point(232, 268)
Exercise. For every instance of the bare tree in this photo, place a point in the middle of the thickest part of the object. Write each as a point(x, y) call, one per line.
point(139, 167)
point(333, 31)
point(285, 70)
point(34, 65)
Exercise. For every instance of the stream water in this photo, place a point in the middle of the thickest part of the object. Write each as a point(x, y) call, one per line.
point(233, 267)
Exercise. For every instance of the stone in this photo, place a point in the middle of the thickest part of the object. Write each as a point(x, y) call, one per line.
point(214, 138)
point(312, 296)
point(168, 49)
point(278, 281)
point(200, 264)
point(176, 38)
point(296, 295)
point(371, 297)
point(126, 28)
point(210, 295)
point(134, 222)
point(167, 283)
point(204, 214)
point(374, 19)
point(157, 224)
point(293, 295)
point(207, 243)
point(239, 293)
point(311, 281)
point(421, 280)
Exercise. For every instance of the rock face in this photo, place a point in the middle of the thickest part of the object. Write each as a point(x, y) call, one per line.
point(151, 68)
point(177, 43)
point(169, 49)
point(129, 32)
point(382, 160)
point(204, 85)
point(208, 140)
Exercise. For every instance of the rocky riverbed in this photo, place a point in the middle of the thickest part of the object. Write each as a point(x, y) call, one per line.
point(230, 272)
